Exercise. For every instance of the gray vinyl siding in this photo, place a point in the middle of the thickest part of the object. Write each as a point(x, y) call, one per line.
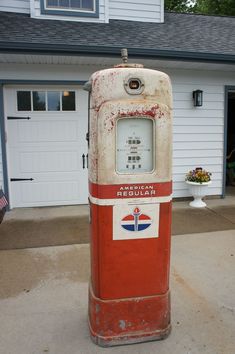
point(22, 6)
point(133, 10)
point(198, 132)
point(136, 10)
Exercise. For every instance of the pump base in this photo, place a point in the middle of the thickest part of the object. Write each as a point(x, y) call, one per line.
point(129, 321)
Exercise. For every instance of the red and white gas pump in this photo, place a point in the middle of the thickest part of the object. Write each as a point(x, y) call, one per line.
point(130, 184)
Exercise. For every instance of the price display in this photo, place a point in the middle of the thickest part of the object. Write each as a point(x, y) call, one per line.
point(134, 150)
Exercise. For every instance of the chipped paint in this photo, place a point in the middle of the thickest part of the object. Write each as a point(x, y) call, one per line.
point(110, 101)
point(122, 324)
point(154, 112)
point(102, 152)
point(109, 328)
point(140, 310)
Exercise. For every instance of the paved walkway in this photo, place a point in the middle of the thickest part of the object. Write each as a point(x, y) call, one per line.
point(52, 226)
point(43, 299)
point(217, 216)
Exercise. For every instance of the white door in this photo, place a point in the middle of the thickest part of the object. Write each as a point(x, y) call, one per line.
point(46, 145)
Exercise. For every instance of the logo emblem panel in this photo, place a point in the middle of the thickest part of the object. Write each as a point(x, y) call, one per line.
point(132, 222)
point(136, 221)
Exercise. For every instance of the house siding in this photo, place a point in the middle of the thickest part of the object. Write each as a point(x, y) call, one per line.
point(198, 132)
point(133, 10)
point(136, 10)
point(22, 6)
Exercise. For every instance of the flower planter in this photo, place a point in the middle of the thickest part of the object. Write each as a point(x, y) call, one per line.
point(198, 191)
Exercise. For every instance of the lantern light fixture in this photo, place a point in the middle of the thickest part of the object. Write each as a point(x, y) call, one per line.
point(198, 98)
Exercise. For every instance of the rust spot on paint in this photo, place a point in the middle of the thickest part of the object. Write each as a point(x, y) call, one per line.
point(122, 324)
point(154, 112)
point(109, 123)
point(102, 102)
point(95, 81)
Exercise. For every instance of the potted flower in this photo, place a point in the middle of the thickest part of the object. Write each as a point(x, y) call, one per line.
point(198, 181)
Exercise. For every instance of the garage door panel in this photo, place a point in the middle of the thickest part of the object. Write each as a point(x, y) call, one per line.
point(49, 161)
point(46, 161)
point(52, 177)
point(39, 194)
point(34, 132)
point(51, 149)
point(53, 146)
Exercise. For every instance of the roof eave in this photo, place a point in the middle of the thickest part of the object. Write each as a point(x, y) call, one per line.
point(99, 51)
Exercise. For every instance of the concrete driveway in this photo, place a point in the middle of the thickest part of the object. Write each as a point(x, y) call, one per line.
point(43, 299)
point(56, 226)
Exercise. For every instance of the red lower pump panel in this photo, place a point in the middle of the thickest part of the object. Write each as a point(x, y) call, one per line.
point(129, 299)
point(127, 268)
point(127, 321)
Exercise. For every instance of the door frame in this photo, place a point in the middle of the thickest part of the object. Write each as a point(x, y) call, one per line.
point(2, 120)
point(227, 89)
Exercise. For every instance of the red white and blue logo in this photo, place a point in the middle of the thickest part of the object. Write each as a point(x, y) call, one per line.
point(136, 221)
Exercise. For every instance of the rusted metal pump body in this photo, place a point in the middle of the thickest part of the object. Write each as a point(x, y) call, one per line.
point(130, 186)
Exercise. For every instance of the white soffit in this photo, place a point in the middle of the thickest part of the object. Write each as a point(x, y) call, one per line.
point(107, 62)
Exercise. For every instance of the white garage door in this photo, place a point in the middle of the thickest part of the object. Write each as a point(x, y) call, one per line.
point(46, 145)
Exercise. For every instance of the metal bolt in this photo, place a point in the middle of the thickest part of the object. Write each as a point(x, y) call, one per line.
point(124, 55)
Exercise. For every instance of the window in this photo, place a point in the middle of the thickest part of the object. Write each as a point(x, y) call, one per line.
point(53, 100)
point(71, 4)
point(68, 101)
point(39, 101)
point(46, 101)
point(70, 7)
point(23, 100)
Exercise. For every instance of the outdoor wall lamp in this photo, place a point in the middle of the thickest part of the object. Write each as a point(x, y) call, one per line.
point(198, 98)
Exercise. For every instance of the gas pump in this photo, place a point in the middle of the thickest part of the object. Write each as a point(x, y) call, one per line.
point(130, 192)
